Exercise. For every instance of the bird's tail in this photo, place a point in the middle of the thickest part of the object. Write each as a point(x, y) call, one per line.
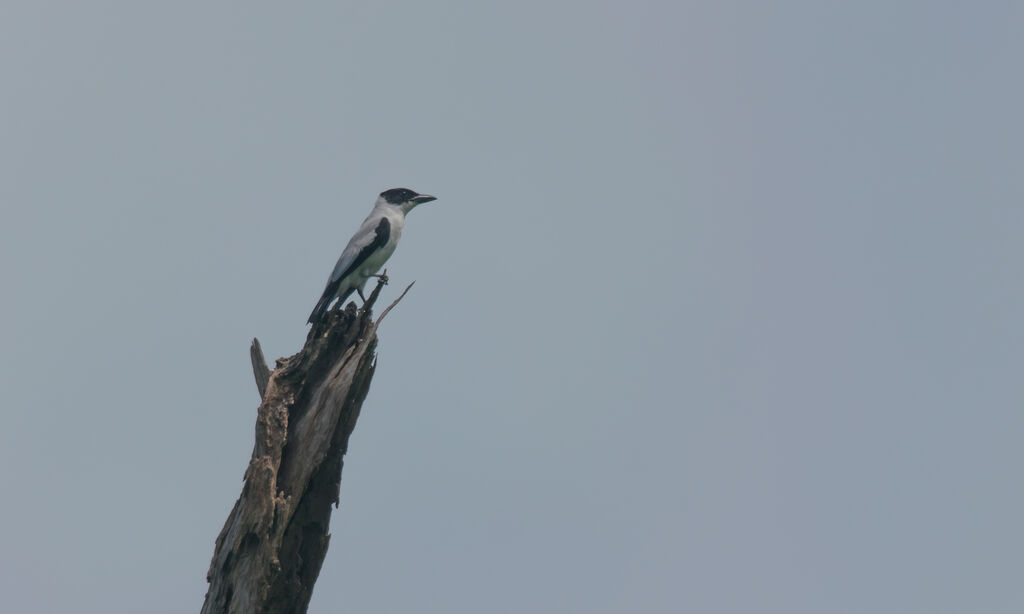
point(320, 309)
point(325, 300)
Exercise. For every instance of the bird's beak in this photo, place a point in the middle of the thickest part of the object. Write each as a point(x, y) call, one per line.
point(423, 198)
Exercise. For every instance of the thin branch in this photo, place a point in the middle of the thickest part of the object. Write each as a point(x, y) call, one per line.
point(391, 306)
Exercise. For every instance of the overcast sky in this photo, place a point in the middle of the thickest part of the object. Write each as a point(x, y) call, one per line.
point(718, 310)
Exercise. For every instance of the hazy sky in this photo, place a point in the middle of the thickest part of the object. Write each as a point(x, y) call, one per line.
point(718, 311)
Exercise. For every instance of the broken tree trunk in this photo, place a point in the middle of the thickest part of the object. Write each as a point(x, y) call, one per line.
point(269, 553)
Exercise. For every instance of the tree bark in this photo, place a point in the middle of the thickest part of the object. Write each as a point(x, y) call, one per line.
point(268, 555)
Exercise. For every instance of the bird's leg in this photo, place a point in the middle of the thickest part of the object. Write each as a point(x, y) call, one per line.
point(360, 291)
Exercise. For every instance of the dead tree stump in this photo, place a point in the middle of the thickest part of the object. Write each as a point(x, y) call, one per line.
point(268, 555)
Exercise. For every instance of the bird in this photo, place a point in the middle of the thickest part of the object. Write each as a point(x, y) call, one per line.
point(369, 248)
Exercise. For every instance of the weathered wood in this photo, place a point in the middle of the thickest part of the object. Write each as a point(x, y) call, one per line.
point(260, 370)
point(268, 555)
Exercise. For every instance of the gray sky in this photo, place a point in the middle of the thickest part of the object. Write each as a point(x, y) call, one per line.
point(719, 309)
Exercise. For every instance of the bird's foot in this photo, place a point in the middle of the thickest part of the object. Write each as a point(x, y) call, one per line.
point(383, 277)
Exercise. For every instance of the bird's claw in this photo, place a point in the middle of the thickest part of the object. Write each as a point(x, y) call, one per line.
point(383, 279)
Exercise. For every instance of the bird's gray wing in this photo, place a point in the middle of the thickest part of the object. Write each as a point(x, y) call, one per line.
point(368, 239)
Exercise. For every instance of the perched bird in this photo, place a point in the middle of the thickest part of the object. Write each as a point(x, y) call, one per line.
point(369, 248)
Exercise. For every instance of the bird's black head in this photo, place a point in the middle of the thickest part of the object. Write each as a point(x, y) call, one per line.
point(398, 196)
